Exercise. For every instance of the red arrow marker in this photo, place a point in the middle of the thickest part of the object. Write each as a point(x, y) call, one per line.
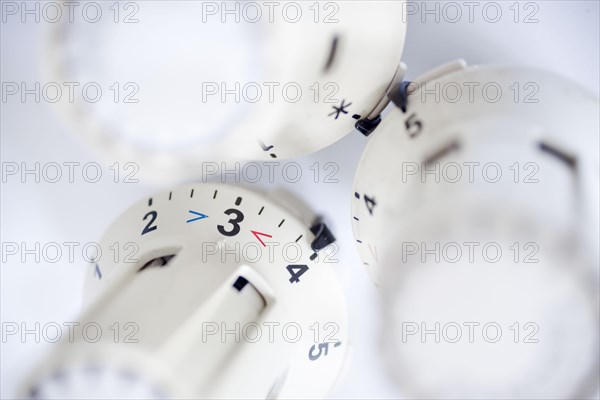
point(256, 235)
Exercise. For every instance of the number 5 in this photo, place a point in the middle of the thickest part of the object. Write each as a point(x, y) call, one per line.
point(413, 126)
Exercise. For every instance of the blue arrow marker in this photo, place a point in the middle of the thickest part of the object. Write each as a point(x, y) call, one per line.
point(199, 216)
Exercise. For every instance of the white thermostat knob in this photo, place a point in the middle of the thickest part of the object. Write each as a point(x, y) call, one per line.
point(223, 294)
point(252, 80)
point(476, 211)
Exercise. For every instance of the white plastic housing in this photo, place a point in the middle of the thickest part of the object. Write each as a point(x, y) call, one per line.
point(484, 159)
point(187, 279)
point(212, 80)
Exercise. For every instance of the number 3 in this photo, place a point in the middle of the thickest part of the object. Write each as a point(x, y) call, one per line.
point(235, 222)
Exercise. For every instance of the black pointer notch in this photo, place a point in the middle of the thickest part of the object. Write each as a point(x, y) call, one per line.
point(323, 236)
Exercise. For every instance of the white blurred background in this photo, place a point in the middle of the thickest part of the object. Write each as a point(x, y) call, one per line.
point(564, 40)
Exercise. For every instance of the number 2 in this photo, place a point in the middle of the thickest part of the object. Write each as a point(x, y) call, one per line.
point(149, 227)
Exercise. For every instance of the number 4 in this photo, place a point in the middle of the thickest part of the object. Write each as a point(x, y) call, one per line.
point(371, 203)
point(296, 271)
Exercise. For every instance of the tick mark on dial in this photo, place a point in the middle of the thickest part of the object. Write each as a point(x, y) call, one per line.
point(150, 202)
point(238, 201)
point(299, 237)
point(215, 195)
point(281, 223)
point(356, 195)
point(356, 116)
point(313, 256)
point(359, 241)
point(170, 195)
point(97, 271)
point(261, 210)
point(356, 219)
point(332, 52)
point(192, 193)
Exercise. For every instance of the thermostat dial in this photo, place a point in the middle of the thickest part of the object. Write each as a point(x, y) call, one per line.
point(224, 295)
point(278, 80)
point(478, 204)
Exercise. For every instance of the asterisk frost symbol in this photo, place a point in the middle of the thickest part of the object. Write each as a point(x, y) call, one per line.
point(340, 109)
